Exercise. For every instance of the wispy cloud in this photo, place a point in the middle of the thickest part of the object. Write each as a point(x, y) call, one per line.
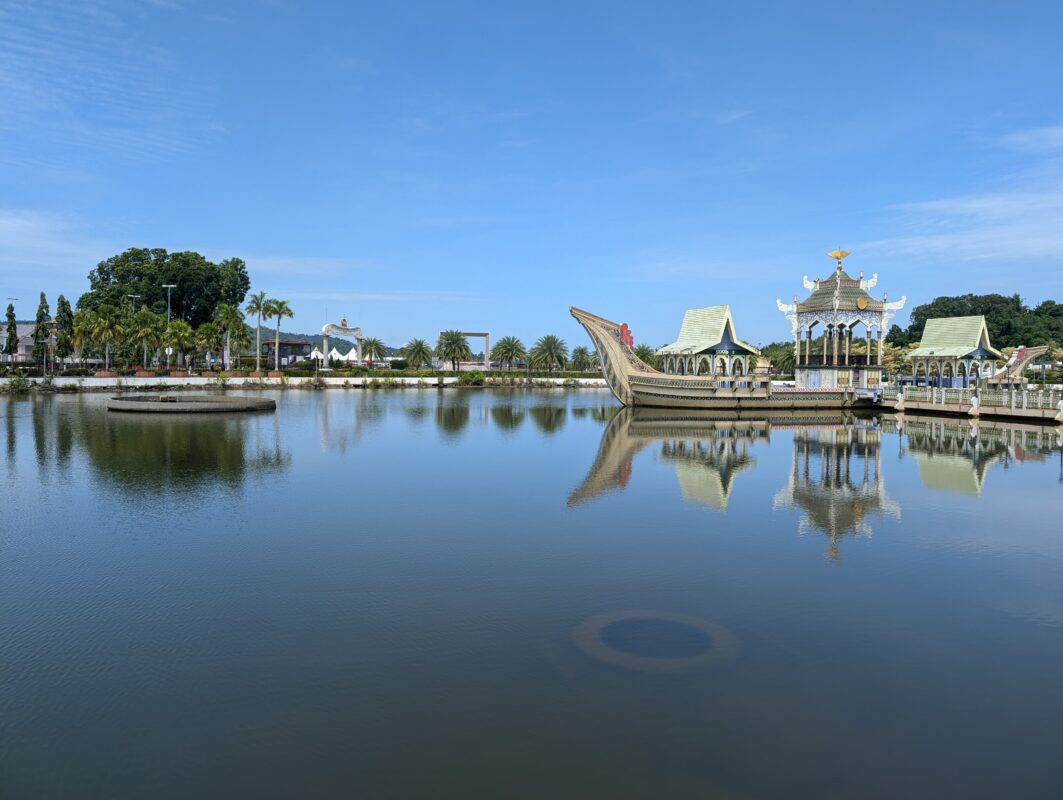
point(1019, 221)
point(1036, 140)
point(386, 296)
point(77, 76)
point(48, 243)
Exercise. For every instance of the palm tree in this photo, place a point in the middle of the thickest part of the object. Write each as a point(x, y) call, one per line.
point(581, 359)
point(239, 341)
point(147, 331)
point(507, 350)
point(373, 349)
point(84, 322)
point(596, 360)
point(257, 305)
point(105, 329)
point(417, 353)
point(208, 340)
point(228, 319)
point(279, 309)
point(550, 352)
point(646, 355)
point(453, 347)
point(180, 336)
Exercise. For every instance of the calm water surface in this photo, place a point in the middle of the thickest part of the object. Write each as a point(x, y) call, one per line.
point(475, 594)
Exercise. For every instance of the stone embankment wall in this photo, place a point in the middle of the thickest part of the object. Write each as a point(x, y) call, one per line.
point(156, 383)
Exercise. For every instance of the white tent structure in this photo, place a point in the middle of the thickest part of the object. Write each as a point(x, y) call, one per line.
point(352, 356)
point(316, 355)
point(335, 355)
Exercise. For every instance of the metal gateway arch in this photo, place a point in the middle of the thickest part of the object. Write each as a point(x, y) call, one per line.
point(331, 329)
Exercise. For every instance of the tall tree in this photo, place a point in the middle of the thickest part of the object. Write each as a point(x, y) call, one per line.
point(452, 346)
point(84, 325)
point(581, 358)
point(41, 334)
point(257, 306)
point(508, 350)
point(418, 353)
point(147, 331)
point(64, 328)
point(208, 340)
point(278, 309)
point(549, 352)
point(372, 348)
point(201, 285)
point(228, 319)
point(646, 355)
point(11, 335)
point(181, 337)
point(106, 328)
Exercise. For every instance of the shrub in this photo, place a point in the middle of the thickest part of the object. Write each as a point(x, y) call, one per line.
point(18, 384)
point(474, 378)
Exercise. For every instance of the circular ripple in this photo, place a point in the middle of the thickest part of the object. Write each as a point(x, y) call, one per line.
point(655, 641)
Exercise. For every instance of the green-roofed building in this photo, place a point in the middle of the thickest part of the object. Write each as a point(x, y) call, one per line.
point(954, 352)
point(707, 345)
point(823, 326)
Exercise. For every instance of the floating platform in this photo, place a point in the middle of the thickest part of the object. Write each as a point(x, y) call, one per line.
point(202, 404)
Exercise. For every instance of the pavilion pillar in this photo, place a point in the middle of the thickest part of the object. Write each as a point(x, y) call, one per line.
point(834, 336)
point(797, 347)
point(879, 359)
point(868, 356)
point(848, 342)
point(808, 345)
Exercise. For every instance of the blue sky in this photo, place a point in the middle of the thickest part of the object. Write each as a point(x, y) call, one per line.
point(418, 166)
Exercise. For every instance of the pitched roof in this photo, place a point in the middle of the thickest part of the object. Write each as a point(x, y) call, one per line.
point(953, 337)
point(849, 292)
point(703, 328)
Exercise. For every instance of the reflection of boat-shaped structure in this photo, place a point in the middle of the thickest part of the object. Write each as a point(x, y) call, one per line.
point(836, 481)
point(635, 383)
point(708, 449)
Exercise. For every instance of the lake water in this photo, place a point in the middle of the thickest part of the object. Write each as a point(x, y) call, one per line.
point(525, 595)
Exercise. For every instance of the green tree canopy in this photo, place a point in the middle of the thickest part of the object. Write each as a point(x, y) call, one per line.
point(201, 285)
point(64, 328)
point(11, 334)
point(453, 347)
point(418, 353)
point(372, 348)
point(645, 354)
point(40, 329)
point(508, 350)
point(549, 352)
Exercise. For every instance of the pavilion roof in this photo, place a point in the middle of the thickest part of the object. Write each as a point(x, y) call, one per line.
point(849, 291)
point(954, 337)
point(703, 329)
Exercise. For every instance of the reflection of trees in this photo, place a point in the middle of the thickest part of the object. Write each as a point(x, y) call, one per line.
point(507, 417)
point(954, 455)
point(836, 481)
point(451, 418)
point(548, 419)
point(142, 451)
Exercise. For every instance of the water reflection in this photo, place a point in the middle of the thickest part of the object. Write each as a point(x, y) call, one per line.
point(836, 481)
point(707, 449)
point(507, 417)
point(955, 455)
point(137, 452)
point(452, 418)
point(547, 418)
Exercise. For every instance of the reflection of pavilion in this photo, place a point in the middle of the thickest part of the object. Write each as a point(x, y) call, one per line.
point(708, 449)
point(706, 467)
point(836, 480)
point(955, 455)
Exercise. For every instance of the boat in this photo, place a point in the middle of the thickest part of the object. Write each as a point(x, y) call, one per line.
point(635, 383)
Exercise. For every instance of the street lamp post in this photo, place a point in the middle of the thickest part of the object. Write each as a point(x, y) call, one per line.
point(168, 287)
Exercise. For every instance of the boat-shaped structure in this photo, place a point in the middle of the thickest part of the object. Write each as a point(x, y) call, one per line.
point(635, 383)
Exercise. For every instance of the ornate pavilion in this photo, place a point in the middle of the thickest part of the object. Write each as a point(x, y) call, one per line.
point(954, 353)
point(838, 305)
point(707, 345)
